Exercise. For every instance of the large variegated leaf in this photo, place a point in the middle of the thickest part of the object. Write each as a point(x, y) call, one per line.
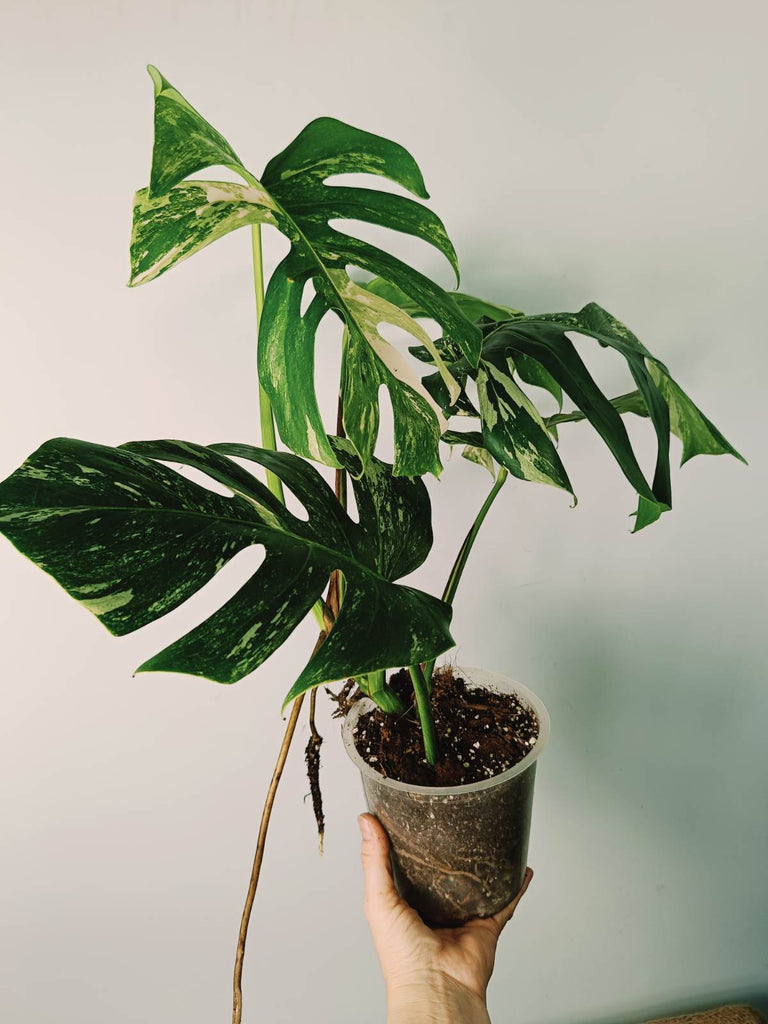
point(544, 339)
point(547, 343)
point(536, 349)
point(131, 539)
point(175, 218)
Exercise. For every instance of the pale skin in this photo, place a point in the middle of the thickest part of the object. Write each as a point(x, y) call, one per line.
point(432, 975)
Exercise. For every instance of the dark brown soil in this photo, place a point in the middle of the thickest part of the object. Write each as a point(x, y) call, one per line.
point(480, 733)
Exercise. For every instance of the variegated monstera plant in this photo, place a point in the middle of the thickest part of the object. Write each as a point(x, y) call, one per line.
point(131, 539)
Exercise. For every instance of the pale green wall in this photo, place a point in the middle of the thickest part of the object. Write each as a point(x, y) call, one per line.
point(576, 151)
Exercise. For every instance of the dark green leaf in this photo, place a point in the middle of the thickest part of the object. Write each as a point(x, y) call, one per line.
point(131, 539)
point(546, 342)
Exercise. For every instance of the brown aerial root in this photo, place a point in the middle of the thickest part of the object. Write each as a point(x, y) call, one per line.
point(312, 759)
point(344, 699)
point(290, 729)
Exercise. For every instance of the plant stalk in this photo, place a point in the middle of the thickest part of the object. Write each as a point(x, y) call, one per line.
point(340, 480)
point(267, 420)
point(461, 559)
point(383, 695)
point(424, 707)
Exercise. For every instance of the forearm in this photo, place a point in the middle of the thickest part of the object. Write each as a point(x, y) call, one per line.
point(439, 1001)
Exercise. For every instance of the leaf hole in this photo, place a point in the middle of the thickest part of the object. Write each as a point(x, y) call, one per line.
point(414, 251)
point(308, 293)
point(197, 476)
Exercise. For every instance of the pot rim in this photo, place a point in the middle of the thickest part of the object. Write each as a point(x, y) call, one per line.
point(482, 678)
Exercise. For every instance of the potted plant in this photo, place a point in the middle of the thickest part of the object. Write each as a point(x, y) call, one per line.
point(131, 538)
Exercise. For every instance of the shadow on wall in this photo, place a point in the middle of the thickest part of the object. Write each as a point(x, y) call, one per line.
point(757, 999)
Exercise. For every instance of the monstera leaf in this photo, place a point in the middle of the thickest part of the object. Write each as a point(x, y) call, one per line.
point(131, 539)
point(535, 350)
point(174, 218)
point(543, 339)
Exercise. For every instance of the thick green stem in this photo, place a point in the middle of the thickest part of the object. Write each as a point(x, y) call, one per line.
point(421, 692)
point(383, 695)
point(268, 438)
point(461, 559)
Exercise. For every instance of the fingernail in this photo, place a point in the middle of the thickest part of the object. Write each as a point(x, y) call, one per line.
point(365, 827)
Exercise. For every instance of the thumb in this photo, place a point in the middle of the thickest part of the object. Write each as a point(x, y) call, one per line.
point(380, 892)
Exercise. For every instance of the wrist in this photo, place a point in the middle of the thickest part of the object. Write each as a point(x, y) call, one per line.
point(434, 998)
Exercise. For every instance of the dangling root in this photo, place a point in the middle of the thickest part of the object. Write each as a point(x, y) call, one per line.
point(312, 759)
point(290, 729)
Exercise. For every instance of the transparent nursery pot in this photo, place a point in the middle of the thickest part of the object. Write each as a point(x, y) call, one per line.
point(457, 851)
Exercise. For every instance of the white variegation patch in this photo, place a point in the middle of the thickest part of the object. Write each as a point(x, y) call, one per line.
point(161, 225)
point(107, 603)
point(92, 588)
point(533, 463)
point(480, 456)
point(38, 515)
point(368, 311)
point(245, 639)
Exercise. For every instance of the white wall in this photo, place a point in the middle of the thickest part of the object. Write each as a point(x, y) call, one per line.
point(577, 151)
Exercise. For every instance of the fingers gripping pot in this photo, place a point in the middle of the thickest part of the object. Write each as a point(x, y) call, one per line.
point(457, 851)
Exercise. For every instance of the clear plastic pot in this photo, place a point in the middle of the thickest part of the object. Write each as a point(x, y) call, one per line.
point(457, 851)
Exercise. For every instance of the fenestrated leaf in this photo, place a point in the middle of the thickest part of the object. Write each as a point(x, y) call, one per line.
point(286, 349)
point(546, 342)
point(131, 539)
point(293, 196)
point(667, 405)
point(612, 333)
point(371, 362)
point(538, 350)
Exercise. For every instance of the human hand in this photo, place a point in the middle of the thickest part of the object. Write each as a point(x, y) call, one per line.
point(444, 970)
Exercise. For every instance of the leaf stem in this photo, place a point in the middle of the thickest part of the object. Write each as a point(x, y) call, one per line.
point(267, 420)
point(424, 707)
point(461, 559)
point(383, 696)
